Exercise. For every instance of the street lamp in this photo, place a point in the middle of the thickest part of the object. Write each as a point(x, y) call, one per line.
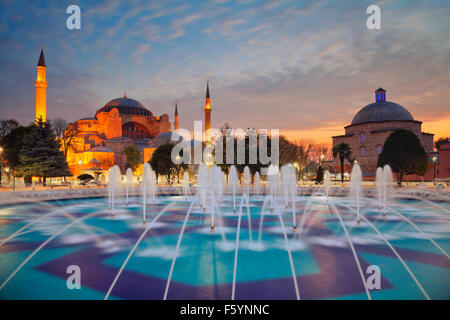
point(322, 156)
point(434, 165)
point(7, 172)
point(1, 165)
point(80, 163)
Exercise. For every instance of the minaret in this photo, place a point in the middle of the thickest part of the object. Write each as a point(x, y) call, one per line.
point(41, 88)
point(207, 114)
point(176, 123)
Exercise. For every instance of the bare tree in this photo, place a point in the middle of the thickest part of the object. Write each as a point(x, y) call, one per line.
point(288, 151)
point(6, 125)
point(320, 150)
point(59, 125)
point(304, 147)
point(68, 138)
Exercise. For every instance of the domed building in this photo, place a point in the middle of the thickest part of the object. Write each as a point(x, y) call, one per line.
point(120, 123)
point(370, 128)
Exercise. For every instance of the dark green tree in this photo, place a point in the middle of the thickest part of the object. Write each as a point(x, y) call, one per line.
point(404, 153)
point(133, 157)
point(40, 155)
point(12, 144)
point(319, 177)
point(343, 151)
point(440, 142)
point(161, 161)
point(85, 178)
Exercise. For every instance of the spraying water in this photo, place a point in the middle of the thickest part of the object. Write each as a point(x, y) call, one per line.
point(114, 182)
point(202, 184)
point(129, 175)
point(247, 180)
point(232, 179)
point(186, 184)
point(272, 172)
point(327, 182)
point(257, 181)
point(387, 186)
point(355, 187)
point(146, 174)
point(384, 185)
point(379, 186)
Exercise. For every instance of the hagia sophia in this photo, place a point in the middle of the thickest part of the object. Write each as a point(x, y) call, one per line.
point(100, 140)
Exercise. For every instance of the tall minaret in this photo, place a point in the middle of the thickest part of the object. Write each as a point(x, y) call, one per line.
point(176, 123)
point(207, 114)
point(41, 88)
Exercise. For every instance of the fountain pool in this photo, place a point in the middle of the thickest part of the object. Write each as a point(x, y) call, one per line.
point(39, 241)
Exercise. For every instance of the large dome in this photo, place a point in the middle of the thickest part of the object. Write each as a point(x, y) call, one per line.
point(382, 110)
point(126, 106)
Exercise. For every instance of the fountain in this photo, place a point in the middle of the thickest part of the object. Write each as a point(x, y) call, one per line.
point(114, 183)
point(355, 187)
point(186, 184)
point(232, 179)
point(257, 181)
point(202, 184)
point(387, 186)
point(327, 182)
point(179, 233)
point(129, 176)
point(247, 180)
point(146, 177)
point(384, 187)
point(272, 173)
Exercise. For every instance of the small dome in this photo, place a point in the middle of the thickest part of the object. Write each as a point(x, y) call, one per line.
point(382, 110)
point(100, 149)
point(126, 105)
point(164, 138)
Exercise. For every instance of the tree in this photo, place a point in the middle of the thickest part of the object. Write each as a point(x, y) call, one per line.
point(68, 138)
point(304, 149)
point(12, 144)
point(251, 134)
point(6, 126)
point(85, 178)
point(40, 155)
point(288, 151)
point(440, 142)
point(404, 153)
point(161, 161)
point(59, 126)
point(343, 151)
point(133, 157)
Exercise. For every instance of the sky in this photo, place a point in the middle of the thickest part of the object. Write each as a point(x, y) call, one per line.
point(304, 67)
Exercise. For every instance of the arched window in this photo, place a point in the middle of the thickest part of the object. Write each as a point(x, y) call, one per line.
point(363, 151)
point(361, 137)
point(379, 149)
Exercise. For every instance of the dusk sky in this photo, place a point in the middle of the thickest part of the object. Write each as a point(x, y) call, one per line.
point(305, 67)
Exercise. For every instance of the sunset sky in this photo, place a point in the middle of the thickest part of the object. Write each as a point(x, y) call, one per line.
point(304, 67)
